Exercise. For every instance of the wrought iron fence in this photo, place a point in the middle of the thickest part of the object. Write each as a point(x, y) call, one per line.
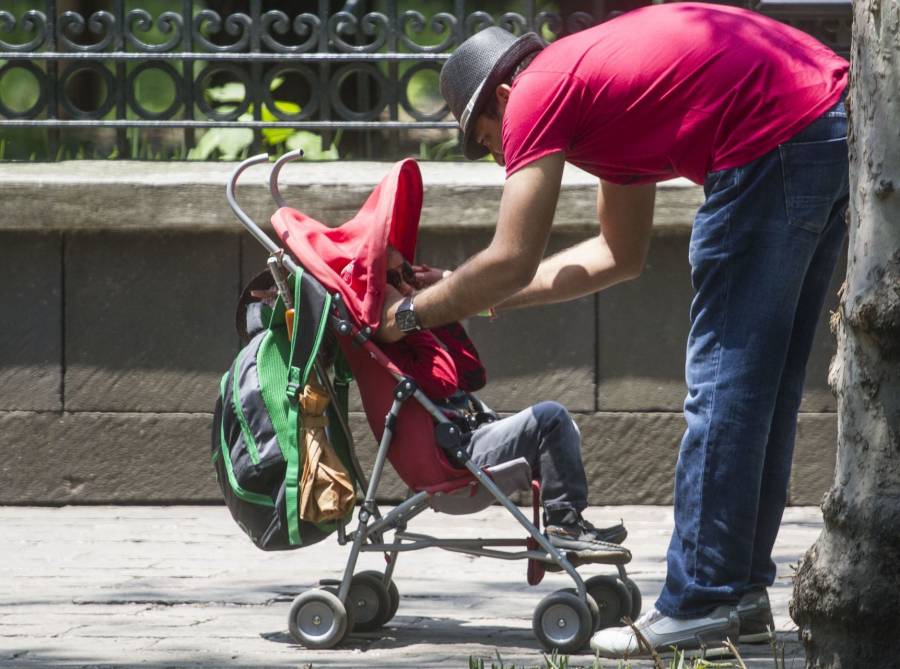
point(185, 65)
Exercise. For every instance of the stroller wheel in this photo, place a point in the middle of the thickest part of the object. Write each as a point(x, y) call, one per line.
point(369, 600)
point(562, 622)
point(636, 598)
point(393, 595)
point(592, 605)
point(318, 619)
point(613, 599)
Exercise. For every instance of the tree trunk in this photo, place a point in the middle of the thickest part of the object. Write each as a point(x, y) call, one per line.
point(847, 588)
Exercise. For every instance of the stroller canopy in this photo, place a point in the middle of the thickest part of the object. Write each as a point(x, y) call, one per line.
point(351, 259)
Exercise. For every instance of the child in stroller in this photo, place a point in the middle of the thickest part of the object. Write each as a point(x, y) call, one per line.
point(445, 364)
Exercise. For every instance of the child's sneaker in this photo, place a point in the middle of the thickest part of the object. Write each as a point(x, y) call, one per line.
point(586, 541)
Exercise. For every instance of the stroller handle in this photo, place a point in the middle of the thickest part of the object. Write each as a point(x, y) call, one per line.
point(248, 222)
point(276, 170)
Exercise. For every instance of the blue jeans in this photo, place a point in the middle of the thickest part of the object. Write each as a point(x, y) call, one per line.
point(762, 252)
point(547, 437)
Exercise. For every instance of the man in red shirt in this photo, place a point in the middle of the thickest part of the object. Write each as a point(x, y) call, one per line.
point(753, 110)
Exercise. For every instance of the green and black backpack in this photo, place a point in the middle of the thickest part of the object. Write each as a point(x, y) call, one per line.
point(256, 425)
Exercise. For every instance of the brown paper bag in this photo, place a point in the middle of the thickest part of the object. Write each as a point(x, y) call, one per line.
point(326, 491)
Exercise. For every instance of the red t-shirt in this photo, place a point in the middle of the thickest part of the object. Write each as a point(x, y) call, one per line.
point(670, 90)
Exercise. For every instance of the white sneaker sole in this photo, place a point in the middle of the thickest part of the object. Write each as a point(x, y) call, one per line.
point(711, 652)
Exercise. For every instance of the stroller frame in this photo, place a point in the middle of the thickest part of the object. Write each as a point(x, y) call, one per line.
point(321, 618)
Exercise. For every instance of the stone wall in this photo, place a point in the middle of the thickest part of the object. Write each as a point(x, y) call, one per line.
point(118, 282)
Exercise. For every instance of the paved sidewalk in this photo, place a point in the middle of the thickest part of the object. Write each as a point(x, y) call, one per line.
point(182, 587)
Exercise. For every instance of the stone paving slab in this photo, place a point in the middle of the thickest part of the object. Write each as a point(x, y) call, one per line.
point(182, 587)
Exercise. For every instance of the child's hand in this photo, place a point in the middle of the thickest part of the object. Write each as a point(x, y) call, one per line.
point(267, 296)
point(428, 276)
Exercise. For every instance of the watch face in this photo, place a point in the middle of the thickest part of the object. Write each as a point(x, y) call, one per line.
point(406, 320)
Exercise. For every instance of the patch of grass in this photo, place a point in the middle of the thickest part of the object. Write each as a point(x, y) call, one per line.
point(677, 661)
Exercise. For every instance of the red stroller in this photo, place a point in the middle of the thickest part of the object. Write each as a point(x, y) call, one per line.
point(414, 434)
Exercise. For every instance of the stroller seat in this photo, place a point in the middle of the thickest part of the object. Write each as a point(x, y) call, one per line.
point(465, 495)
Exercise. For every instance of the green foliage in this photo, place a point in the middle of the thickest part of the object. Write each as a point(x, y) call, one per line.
point(557, 661)
point(235, 143)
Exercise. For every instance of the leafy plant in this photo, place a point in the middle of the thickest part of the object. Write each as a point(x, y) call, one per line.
point(235, 143)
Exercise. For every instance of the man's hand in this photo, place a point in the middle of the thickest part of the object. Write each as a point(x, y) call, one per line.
point(526, 214)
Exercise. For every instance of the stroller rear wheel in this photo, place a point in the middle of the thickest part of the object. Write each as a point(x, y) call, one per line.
point(393, 596)
point(370, 601)
point(613, 598)
point(562, 622)
point(318, 619)
point(636, 598)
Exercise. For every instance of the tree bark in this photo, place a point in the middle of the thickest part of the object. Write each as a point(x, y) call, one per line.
point(847, 588)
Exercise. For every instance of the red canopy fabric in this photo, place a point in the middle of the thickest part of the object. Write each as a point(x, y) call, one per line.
point(350, 259)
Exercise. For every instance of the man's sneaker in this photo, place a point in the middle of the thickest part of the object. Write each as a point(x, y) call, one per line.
point(755, 614)
point(665, 634)
point(585, 540)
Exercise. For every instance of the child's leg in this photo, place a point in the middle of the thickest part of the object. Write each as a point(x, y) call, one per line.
point(547, 437)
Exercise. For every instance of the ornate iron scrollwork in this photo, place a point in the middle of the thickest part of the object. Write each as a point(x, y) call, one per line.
point(440, 23)
point(40, 78)
point(173, 77)
point(304, 25)
point(236, 25)
point(33, 21)
point(332, 70)
point(373, 24)
point(100, 23)
point(141, 20)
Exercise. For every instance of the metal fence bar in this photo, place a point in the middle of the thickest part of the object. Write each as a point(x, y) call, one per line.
point(141, 123)
point(235, 57)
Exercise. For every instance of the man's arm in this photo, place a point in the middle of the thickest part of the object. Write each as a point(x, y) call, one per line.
point(507, 265)
point(618, 253)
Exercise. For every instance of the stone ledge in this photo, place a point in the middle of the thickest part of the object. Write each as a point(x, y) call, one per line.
point(130, 195)
point(105, 458)
point(152, 458)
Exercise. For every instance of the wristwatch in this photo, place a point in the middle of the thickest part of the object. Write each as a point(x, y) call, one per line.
point(406, 316)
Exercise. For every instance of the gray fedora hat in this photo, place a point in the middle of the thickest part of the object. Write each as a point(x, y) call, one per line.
point(471, 75)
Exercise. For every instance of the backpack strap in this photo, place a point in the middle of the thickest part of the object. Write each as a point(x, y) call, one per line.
point(340, 439)
point(342, 378)
point(311, 302)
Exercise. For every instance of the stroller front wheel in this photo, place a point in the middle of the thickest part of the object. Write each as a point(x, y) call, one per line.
point(318, 619)
point(562, 622)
